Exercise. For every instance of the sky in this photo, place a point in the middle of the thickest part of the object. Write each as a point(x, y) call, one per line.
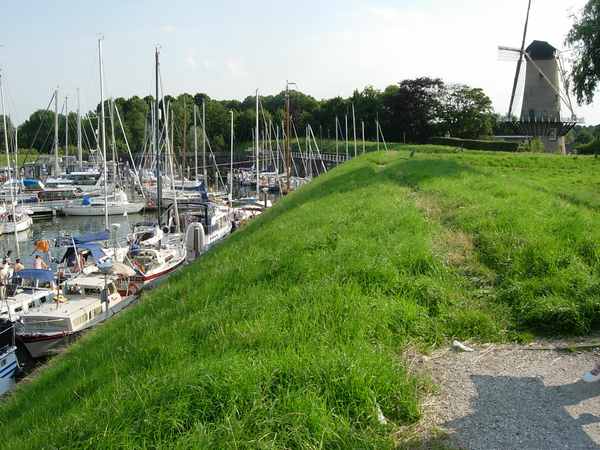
point(228, 49)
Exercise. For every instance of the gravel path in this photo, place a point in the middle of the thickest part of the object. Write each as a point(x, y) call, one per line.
point(503, 397)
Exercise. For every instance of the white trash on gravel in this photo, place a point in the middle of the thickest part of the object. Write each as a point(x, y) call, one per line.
point(459, 346)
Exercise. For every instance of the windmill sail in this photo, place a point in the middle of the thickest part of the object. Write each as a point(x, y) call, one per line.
point(519, 62)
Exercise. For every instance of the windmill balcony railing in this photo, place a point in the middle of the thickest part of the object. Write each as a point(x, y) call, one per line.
point(544, 119)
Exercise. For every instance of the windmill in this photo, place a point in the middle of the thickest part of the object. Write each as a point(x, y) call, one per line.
point(545, 91)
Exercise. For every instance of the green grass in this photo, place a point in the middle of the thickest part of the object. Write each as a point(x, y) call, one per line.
point(290, 334)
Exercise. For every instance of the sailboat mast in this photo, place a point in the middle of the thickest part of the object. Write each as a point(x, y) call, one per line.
point(113, 142)
point(156, 144)
point(17, 152)
point(377, 130)
point(362, 124)
point(4, 126)
point(337, 152)
point(184, 165)
point(103, 136)
point(347, 154)
point(79, 146)
point(231, 165)
point(354, 130)
point(204, 175)
point(56, 167)
point(195, 143)
point(67, 130)
point(288, 150)
point(257, 136)
point(12, 193)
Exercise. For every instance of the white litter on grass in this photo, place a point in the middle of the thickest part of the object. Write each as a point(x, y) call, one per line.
point(380, 417)
point(457, 345)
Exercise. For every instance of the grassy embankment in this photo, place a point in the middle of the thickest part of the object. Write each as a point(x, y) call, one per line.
point(290, 334)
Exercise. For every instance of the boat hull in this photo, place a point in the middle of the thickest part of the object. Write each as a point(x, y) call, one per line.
point(113, 210)
point(11, 227)
point(44, 344)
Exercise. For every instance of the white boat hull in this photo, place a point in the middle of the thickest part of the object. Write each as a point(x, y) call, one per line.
point(93, 210)
point(12, 227)
point(39, 345)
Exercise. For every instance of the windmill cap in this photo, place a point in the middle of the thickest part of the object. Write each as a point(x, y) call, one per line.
point(541, 50)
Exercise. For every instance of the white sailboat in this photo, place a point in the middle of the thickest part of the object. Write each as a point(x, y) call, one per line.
point(14, 220)
point(115, 204)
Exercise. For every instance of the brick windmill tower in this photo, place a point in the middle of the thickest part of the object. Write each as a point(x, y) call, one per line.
point(544, 94)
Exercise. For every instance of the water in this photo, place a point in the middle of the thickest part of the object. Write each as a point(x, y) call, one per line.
point(51, 229)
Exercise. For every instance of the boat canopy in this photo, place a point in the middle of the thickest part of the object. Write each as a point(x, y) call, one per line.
point(31, 183)
point(95, 250)
point(42, 275)
point(92, 237)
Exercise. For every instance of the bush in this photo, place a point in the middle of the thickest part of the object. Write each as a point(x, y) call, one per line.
point(591, 148)
point(533, 146)
point(472, 144)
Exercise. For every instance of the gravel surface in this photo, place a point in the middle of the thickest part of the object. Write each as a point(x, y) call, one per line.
point(503, 397)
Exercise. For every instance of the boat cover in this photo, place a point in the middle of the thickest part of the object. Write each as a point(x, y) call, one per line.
point(35, 275)
point(92, 237)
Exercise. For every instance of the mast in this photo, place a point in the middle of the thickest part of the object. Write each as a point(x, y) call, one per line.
point(347, 153)
point(79, 146)
point(12, 193)
point(362, 123)
point(113, 143)
point(288, 147)
point(337, 152)
point(17, 152)
point(66, 131)
point(184, 165)
point(377, 130)
point(204, 175)
point(231, 165)
point(257, 136)
point(195, 143)
point(156, 144)
point(56, 167)
point(354, 130)
point(103, 136)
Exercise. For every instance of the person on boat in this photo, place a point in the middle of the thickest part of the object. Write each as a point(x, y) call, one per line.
point(7, 257)
point(39, 263)
point(4, 277)
point(18, 265)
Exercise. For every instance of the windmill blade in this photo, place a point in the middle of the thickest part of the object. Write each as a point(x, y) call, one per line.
point(508, 54)
point(519, 62)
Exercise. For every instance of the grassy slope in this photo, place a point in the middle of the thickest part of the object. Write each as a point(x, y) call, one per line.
point(290, 334)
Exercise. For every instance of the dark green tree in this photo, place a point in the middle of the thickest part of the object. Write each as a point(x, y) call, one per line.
point(584, 38)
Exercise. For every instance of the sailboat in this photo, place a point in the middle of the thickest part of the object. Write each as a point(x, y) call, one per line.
point(156, 251)
point(14, 220)
point(115, 204)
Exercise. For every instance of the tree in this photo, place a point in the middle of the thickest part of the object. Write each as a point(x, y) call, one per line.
point(584, 37)
point(465, 112)
point(11, 132)
point(412, 109)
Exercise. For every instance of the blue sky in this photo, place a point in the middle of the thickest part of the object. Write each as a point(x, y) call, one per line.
point(229, 48)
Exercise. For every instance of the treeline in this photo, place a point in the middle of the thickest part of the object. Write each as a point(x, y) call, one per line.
point(411, 111)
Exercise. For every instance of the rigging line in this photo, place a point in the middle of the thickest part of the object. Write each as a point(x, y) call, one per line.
point(43, 119)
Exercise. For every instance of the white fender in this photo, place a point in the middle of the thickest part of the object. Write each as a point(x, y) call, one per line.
point(195, 239)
